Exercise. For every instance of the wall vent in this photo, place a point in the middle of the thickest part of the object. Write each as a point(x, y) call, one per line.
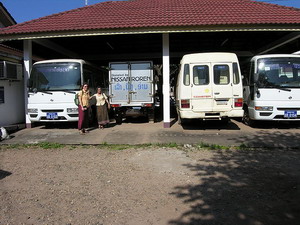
point(10, 71)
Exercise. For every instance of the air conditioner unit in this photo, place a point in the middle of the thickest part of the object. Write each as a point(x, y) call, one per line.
point(10, 71)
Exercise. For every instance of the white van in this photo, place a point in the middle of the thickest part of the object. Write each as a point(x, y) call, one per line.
point(272, 89)
point(209, 87)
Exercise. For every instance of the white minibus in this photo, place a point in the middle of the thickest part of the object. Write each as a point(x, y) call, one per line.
point(209, 87)
point(52, 87)
point(272, 89)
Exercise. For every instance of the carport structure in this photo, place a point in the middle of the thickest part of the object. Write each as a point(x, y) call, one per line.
point(158, 30)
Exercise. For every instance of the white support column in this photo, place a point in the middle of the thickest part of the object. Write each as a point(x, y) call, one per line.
point(166, 81)
point(27, 54)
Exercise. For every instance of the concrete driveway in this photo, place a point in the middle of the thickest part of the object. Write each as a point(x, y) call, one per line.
point(235, 133)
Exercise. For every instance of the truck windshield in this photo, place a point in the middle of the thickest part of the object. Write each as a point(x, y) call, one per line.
point(55, 77)
point(278, 72)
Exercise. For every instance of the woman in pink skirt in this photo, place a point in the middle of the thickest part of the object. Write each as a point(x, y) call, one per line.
point(83, 109)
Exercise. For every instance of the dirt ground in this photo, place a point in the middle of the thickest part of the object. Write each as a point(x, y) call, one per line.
point(90, 185)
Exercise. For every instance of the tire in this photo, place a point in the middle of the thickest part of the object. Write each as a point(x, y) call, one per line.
point(119, 119)
point(246, 118)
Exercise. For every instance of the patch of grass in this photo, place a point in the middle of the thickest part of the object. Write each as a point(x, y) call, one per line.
point(243, 147)
point(120, 147)
point(49, 145)
point(207, 146)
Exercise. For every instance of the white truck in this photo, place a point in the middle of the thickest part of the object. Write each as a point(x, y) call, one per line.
point(132, 89)
point(209, 87)
point(272, 89)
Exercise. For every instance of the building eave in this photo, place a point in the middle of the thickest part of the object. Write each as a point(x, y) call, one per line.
point(151, 30)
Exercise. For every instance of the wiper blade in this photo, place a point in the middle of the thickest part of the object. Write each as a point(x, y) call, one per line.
point(282, 88)
point(68, 91)
point(34, 90)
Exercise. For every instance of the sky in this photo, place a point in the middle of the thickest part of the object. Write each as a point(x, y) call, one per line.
point(25, 10)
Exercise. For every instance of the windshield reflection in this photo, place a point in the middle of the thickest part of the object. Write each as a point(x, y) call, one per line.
point(279, 73)
point(55, 77)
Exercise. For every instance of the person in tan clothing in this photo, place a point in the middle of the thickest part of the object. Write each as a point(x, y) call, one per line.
point(83, 108)
point(102, 105)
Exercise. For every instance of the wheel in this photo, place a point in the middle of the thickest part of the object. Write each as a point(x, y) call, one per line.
point(119, 119)
point(246, 118)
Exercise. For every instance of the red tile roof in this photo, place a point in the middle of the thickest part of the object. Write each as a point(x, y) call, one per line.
point(160, 13)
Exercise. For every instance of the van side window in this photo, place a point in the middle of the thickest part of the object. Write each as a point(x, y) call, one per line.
point(200, 75)
point(186, 74)
point(236, 74)
point(221, 74)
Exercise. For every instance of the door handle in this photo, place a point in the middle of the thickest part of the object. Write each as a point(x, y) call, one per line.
point(217, 93)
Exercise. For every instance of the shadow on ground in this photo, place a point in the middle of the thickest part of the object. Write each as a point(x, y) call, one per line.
point(4, 174)
point(267, 138)
point(282, 125)
point(209, 125)
point(243, 187)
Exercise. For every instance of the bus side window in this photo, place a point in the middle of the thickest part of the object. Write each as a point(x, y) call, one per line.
point(186, 75)
point(236, 74)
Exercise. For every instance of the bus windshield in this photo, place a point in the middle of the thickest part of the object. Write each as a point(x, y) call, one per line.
point(278, 72)
point(61, 76)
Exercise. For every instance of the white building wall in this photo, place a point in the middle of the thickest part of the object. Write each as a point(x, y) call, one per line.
point(12, 111)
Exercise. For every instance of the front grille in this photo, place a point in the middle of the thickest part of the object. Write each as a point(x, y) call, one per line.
point(52, 110)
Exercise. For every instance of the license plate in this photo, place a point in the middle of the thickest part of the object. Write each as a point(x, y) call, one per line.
point(136, 108)
point(52, 116)
point(222, 102)
point(290, 114)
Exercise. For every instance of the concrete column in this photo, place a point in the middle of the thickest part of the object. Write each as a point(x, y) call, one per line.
point(166, 80)
point(27, 55)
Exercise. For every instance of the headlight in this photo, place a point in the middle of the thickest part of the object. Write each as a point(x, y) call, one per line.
point(72, 110)
point(32, 110)
point(264, 108)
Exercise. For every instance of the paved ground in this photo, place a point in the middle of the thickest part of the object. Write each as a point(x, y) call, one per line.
point(139, 132)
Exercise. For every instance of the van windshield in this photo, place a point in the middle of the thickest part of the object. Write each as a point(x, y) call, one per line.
point(278, 72)
point(55, 77)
